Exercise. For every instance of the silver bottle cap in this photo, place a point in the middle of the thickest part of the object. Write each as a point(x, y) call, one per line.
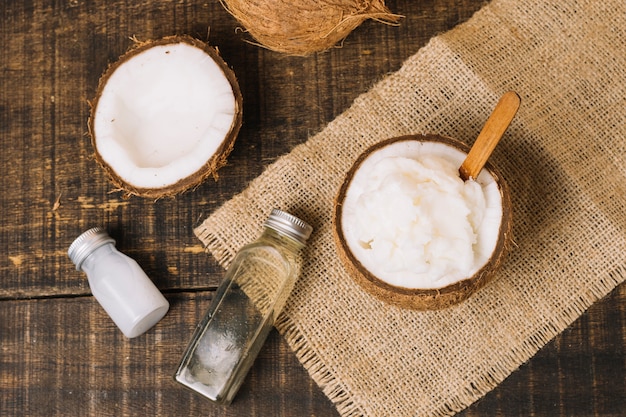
point(86, 243)
point(290, 225)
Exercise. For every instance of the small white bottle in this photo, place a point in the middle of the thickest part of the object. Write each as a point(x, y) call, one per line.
point(250, 297)
point(119, 284)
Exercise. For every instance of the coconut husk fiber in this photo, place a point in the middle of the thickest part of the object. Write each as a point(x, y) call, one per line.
point(564, 158)
point(308, 26)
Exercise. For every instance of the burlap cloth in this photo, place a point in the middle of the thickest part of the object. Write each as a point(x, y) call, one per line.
point(564, 157)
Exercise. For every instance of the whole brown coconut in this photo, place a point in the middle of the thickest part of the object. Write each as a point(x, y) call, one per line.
point(420, 298)
point(165, 117)
point(301, 27)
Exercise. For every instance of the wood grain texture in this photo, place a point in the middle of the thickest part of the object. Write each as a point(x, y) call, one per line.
point(64, 357)
point(60, 355)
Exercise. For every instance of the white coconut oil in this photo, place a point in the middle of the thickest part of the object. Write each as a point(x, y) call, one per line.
point(414, 223)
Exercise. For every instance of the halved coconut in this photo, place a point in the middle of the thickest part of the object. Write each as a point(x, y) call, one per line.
point(408, 229)
point(165, 116)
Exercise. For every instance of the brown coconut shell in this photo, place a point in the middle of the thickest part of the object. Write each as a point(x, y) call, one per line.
point(301, 27)
point(424, 299)
point(211, 166)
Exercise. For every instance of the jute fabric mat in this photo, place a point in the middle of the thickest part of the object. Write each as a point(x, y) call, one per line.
point(564, 158)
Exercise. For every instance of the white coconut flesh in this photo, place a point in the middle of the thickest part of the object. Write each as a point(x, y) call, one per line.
point(413, 222)
point(163, 114)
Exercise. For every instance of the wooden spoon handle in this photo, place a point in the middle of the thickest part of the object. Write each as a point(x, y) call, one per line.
point(486, 142)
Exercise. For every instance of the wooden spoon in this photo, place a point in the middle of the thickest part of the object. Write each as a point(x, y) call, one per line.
point(486, 142)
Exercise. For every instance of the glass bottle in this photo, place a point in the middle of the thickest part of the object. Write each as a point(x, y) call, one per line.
point(251, 295)
point(118, 283)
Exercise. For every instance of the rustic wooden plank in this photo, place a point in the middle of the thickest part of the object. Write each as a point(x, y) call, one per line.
point(63, 356)
point(54, 54)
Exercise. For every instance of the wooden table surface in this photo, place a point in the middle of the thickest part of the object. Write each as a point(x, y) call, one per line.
point(59, 352)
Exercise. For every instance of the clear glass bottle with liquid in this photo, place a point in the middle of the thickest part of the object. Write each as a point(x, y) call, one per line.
point(251, 295)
